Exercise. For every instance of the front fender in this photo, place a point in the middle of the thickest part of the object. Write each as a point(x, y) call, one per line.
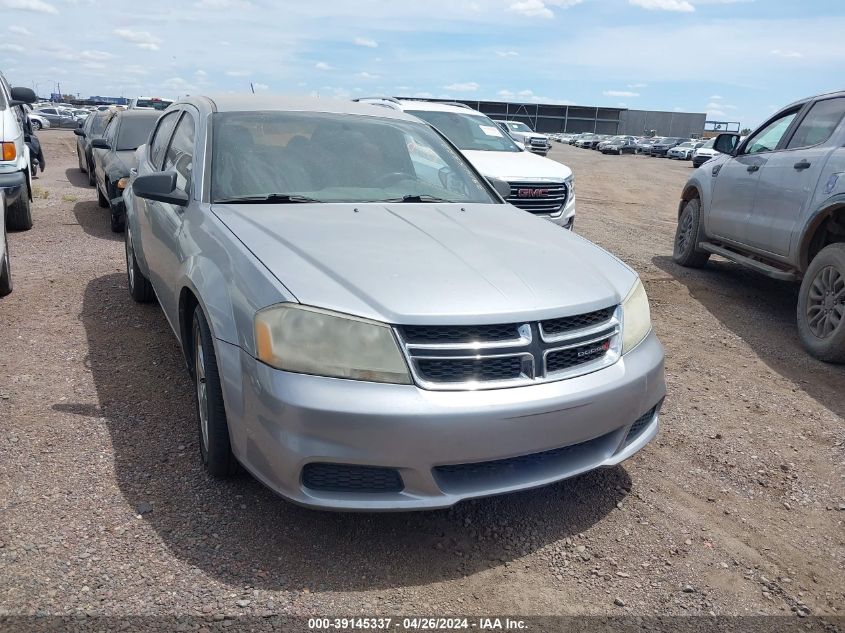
point(133, 227)
point(814, 220)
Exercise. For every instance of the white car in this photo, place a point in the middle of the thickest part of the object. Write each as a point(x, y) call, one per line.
point(149, 103)
point(15, 178)
point(684, 151)
point(521, 133)
point(37, 121)
point(541, 186)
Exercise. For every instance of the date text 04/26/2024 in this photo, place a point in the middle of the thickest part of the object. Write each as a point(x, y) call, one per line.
point(416, 624)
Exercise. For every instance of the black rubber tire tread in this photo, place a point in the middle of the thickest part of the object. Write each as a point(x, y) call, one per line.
point(142, 290)
point(218, 459)
point(830, 349)
point(19, 214)
point(5, 272)
point(691, 256)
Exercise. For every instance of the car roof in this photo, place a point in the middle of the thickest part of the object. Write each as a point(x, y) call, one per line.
point(279, 103)
point(139, 114)
point(824, 95)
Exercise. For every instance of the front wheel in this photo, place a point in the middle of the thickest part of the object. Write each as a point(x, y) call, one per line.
point(215, 446)
point(821, 305)
point(36, 125)
point(6, 270)
point(686, 251)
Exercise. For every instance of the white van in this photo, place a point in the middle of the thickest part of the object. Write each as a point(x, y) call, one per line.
point(14, 156)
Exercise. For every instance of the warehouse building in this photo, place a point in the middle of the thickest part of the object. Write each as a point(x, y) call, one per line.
point(550, 118)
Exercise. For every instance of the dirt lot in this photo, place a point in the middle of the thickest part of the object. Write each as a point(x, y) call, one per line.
point(736, 508)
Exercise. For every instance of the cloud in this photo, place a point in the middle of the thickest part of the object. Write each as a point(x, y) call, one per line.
point(141, 39)
point(260, 87)
point(531, 8)
point(238, 73)
point(664, 5)
point(505, 93)
point(715, 113)
point(469, 86)
point(36, 6)
point(201, 73)
point(423, 95)
point(177, 84)
point(507, 53)
point(716, 97)
point(134, 69)
point(223, 4)
point(20, 30)
point(638, 85)
point(94, 56)
point(787, 54)
point(12, 48)
point(322, 66)
point(620, 93)
point(366, 75)
point(365, 42)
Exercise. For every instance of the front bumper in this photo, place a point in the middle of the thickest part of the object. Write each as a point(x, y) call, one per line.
point(280, 422)
point(12, 183)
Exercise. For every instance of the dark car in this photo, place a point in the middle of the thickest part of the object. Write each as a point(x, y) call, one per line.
point(620, 146)
point(114, 156)
point(93, 127)
point(661, 147)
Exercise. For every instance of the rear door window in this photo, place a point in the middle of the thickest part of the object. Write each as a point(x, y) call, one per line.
point(819, 124)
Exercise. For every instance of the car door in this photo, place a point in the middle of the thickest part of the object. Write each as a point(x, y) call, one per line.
point(790, 176)
point(737, 178)
point(101, 155)
point(164, 257)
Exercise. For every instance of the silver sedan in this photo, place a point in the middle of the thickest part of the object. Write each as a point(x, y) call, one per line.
point(367, 323)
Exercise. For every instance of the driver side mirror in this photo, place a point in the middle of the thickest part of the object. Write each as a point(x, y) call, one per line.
point(19, 96)
point(726, 143)
point(501, 187)
point(160, 187)
point(79, 132)
point(98, 143)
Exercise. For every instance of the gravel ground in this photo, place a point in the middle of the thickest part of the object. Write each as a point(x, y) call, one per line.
point(736, 507)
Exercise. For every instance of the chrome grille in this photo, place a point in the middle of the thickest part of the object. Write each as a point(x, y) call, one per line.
point(538, 197)
point(511, 355)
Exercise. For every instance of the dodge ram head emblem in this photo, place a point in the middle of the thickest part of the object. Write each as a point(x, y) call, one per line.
point(531, 193)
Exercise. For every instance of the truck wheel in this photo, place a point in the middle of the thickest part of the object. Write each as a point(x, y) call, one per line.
point(821, 305)
point(215, 446)
point(19, 214)
point(6, 271)
point(686, 251)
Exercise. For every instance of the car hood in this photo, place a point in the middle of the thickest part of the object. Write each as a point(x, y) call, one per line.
point(423, 263)
point(517, 165)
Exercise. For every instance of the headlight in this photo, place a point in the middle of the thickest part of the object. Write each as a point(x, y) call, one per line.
point(309, 340)
point(570, 185)
point(636, 317)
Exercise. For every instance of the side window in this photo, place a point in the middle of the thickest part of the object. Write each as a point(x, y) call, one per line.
point(819, 123)
point(108, 133)
point(161, 137)
point(767, 139)
point(180, 153)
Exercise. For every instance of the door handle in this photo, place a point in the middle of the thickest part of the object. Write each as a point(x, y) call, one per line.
point(801, 164)
point(753, 168)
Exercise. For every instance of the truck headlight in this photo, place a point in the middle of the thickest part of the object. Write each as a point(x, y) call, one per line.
point(308, 340)
point(636, 317)
point(570, 186)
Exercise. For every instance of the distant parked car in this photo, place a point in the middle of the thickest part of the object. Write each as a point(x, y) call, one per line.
point(149, 103)
point(661, 148)
point(775, 203)
point(644, 145)
point(704, 153)
point(80, 113)
point(620, 146)
point(37, 121)
point(114, 156)
point(685, 150)
point(58, 117)
point(92, 128)
point(533, 141)
point(5, 259)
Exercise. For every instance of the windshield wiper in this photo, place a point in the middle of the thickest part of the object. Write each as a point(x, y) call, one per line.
point(270, 198)
point(415, 198)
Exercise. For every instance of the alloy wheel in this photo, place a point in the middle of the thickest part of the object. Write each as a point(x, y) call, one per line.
point(202, 390)
point(684, 233)
point(130, 260)
point(826, 302)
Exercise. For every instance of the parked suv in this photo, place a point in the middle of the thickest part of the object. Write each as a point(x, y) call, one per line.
point(538, 185)
point(775, 203)
point(15, 176)
point(533, 141)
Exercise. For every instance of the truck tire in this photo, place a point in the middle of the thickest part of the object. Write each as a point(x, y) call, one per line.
point(215, 445)
point(19, 214)
point(821, 305)
point(6, 271)
point(686, 251)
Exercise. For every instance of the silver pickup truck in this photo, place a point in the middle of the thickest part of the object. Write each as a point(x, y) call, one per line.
point(775, 202)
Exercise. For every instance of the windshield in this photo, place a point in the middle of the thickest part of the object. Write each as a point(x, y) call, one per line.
point(516, 126)
point(134, 132)
point(709, 144)
point(686, 144)
point(99, 123)
point(153, 102)
point(468, 131)
point(336, 158)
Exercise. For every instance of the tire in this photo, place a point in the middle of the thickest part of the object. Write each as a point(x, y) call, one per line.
point(36, 125)
point(6, 271)
point(102, 201)
point(821, 305)
point(19, 214)
point(118, 221)
point(686, 251)
point(213, 427)
point(92, 181)
point(140, 287)
point(84, 170)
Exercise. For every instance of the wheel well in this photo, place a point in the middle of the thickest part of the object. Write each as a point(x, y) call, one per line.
point(690, 193)
point(828, 228)
point(187, 304)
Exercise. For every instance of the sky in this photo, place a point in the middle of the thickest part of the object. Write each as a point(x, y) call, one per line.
point(736, 60)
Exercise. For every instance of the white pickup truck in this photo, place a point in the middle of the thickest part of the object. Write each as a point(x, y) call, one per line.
point(541, 186)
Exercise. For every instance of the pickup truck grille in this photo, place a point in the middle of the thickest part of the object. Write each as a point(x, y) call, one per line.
point(538, 197)
point(511, 355)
